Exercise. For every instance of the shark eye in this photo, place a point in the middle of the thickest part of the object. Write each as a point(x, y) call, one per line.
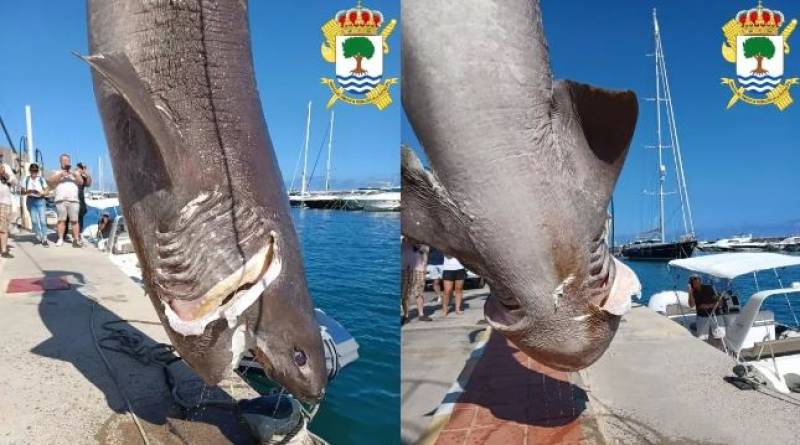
point(299, 357)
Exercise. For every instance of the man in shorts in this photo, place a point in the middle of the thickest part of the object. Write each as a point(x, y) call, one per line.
point(7, 180)
point(703, 298)
point(415, 260)
point(65, 182)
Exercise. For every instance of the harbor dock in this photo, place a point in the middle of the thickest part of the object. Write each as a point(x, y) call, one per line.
point(56, 387)
point(656, 384)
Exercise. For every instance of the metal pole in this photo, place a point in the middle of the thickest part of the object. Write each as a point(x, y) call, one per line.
point(661, 168)
point(8, 136)
point(305, 151)
point(29, 127)
point(328, 167)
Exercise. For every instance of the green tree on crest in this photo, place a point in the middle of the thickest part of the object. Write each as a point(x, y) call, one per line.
point(759, 47)
point(358, 48)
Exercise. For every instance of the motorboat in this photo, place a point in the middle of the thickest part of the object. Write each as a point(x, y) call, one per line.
point(341, 349)
point(790, 244)
point(766, 352)
point(738, 243)
point(321, 201)
point(379, 202)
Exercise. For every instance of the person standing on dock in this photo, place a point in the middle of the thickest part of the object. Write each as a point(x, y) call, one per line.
point(453, 276)
point(34, 188)
point(435, 262)
point(66, 183)
point(7, 180)
point(415, 261)
point(87, 182)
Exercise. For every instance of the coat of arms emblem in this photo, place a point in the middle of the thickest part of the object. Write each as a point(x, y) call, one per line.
point(756, 44)
point(355, 42)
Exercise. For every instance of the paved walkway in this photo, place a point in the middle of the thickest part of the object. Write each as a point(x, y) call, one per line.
point(55, 388)
point(461, 384)
point(512, 399)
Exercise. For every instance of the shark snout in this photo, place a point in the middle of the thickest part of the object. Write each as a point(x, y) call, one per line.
point(569, 328)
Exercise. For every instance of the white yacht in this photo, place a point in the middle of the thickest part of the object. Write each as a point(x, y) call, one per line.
point(738, 243)
point(766, 353)
point(384, 201)
point(790, 244)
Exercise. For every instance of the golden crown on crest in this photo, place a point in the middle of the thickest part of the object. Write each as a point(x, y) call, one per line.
point(359, 21)
point(760, 21)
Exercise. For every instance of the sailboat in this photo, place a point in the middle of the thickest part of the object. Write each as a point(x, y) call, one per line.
point(298, 199)
point(325, 199)
point(653, 244)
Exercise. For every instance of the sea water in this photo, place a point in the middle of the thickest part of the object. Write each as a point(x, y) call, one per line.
point(352, 262)
point(657, 276)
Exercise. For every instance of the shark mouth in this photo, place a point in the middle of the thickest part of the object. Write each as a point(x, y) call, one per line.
point(611, 285)
point(230, 297)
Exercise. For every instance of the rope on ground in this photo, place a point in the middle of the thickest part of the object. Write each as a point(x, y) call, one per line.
point(113, 375)
point(132, 345)
point(161, 354)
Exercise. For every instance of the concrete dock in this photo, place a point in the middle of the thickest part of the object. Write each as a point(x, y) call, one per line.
point(56, 388)
point(659, 384)
point(655, 385)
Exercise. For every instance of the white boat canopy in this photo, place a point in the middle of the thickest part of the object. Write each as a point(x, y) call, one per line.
point(732, 265)
point(103, 203)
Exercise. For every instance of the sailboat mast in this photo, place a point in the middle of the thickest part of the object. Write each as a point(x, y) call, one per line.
point(683, 191)
point(328, 166)
point(100, 171)
point(661, 169)
point(305, 152)
point(665, 96)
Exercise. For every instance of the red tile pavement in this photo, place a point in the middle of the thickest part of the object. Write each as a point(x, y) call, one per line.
point(512, 399)
point(38, 284)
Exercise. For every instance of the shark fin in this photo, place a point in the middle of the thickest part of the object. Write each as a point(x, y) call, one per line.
point(118, 71)
point(608, 119)
point(429, 214)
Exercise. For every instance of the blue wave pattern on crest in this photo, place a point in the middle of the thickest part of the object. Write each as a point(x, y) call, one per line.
point(358, 84)
point(759, 84)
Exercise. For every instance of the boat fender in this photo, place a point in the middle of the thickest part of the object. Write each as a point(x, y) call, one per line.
point(273, 419)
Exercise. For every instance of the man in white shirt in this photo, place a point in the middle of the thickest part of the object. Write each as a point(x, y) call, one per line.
point(7, 180)
point(65, 182)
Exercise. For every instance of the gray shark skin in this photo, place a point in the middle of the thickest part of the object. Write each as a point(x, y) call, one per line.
point(523, 168)
point(200, 187)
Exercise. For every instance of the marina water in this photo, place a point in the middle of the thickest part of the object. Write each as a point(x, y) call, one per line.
point(657, 277)
point(351, 261)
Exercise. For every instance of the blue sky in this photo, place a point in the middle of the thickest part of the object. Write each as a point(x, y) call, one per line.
point(741, 165)
point(38, 69)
